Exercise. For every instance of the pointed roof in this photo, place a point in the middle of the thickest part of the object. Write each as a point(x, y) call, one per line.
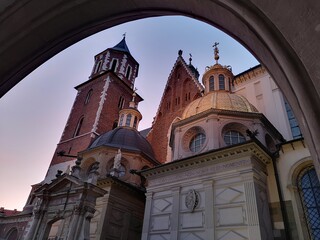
point(181, 61)
point(122, 46)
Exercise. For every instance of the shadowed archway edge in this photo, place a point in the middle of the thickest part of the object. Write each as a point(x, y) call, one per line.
point(276, 32)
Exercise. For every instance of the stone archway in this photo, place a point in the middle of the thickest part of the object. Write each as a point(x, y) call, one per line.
point(283, 36)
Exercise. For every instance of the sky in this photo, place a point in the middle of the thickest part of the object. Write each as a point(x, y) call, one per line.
point(34, 113)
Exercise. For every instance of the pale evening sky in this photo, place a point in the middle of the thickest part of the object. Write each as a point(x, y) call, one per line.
point(34, 113)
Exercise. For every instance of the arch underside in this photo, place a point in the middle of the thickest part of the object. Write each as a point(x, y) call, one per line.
point(283, 36)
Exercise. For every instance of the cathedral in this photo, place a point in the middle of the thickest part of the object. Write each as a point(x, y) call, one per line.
point(224, 159)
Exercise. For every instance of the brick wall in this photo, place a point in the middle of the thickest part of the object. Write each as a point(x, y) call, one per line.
point(179, 92)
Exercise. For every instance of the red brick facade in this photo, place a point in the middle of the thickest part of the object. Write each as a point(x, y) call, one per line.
point(96, 107)
point(181, 89)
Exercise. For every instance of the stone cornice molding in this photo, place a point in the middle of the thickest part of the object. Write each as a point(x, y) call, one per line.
point(230, 158)
point(249, 74)
point(109, 180)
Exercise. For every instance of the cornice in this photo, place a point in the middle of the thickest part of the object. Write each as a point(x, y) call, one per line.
point(249, 74)
point(217, 159)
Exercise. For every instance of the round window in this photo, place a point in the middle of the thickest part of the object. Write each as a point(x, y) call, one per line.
point(233, 137)
point(197, 142)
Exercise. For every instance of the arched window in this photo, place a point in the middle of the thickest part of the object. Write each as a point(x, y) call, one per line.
point(309, 190)
point(128, 120)
point(114, 65)
point(121, 120)
point(121, 102)
point(128, 72)
point(233, 137)
point(12, 234)
point(197, 142)
point(211, 83)
point(135, 121)
point(88, 97)
point(221, 82)
point(295, 129)
point(98, 67)
point(78, 128)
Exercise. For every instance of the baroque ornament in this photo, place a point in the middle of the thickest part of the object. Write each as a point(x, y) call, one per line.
point(192, 200)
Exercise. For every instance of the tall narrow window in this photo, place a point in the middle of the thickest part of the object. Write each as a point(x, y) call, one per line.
point(309, 190)
point(98, 67)
point(78, 128)
point(88, 97)
point(121, 102)
point(128, 72)
point(128, 120)
point(121, 120)
point(135, 122)
point(221, 82)
point(295, 129)
point(113, 65)
point(211, 83)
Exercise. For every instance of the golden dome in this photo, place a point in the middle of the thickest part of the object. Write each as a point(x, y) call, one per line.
point(219, 100)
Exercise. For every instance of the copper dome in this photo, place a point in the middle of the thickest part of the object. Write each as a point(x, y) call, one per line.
point(219, 100)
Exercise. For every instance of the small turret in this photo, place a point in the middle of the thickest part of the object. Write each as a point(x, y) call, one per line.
point(217, 77)
point(130, 117)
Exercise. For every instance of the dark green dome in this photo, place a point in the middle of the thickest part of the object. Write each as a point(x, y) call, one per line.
point(126, 139)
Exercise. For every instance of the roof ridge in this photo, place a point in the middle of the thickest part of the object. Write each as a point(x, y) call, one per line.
point(200, 87)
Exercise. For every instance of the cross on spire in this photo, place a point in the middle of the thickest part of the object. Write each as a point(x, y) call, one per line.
point(216, 51)
point(190, 59)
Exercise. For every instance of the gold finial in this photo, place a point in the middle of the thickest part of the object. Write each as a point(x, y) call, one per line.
point(216, 51)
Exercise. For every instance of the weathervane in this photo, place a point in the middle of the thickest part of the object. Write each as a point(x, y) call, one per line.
point(216, 51)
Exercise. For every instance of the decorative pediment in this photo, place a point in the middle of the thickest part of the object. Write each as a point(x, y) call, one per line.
point(59, 185)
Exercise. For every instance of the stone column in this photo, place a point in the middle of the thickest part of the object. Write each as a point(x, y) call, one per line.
point(34, 225)
point(83, 229)
point(74, 223)
point(209, 205)
point(174, 220)
point(147, 216)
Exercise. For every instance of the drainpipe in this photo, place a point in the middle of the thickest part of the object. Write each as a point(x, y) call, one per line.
point(275, 156)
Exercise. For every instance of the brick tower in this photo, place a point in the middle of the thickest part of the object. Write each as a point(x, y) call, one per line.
point(181, 89)
point(97, 104)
